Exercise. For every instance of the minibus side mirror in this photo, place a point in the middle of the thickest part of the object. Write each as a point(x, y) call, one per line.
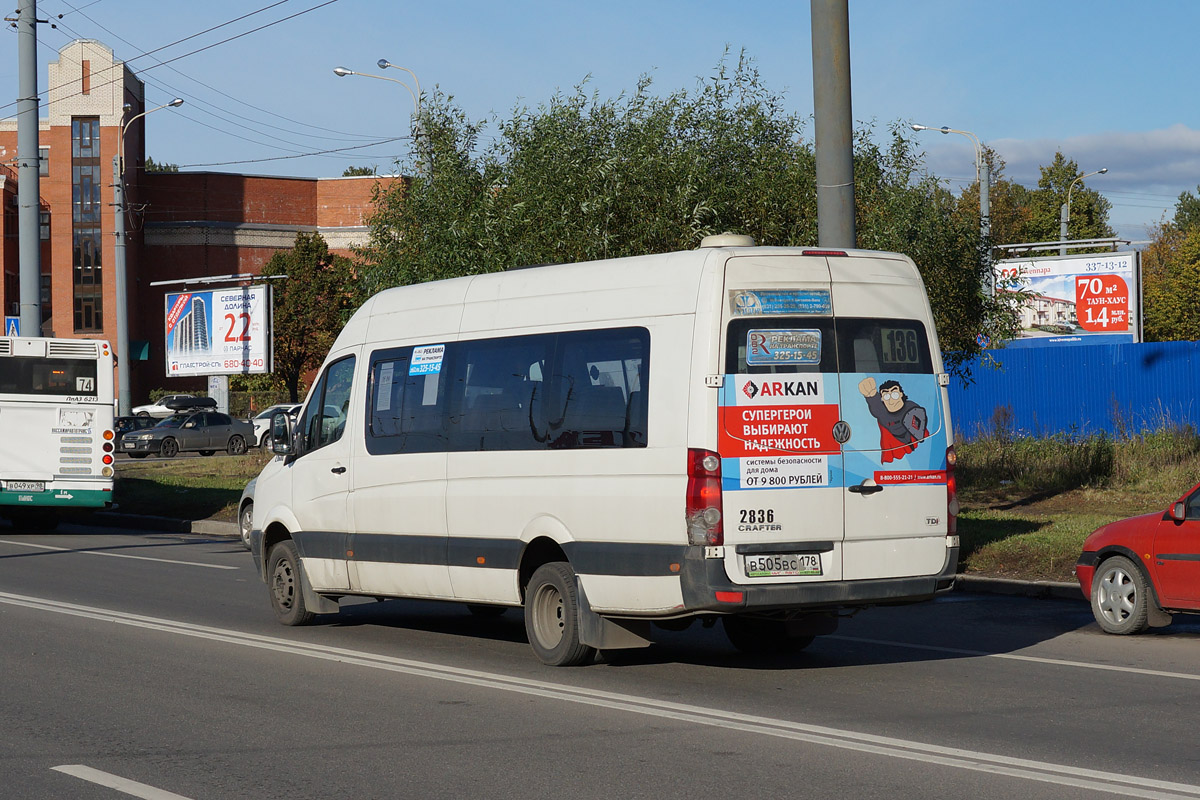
point(281, 433)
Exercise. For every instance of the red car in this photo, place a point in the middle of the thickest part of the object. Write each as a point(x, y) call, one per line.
point(1139, 571)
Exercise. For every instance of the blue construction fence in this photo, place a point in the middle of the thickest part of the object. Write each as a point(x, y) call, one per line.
point(1081, 389)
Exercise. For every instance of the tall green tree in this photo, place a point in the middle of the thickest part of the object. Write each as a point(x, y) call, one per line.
point(582, 177)
point(1089, 209)
point(311, 305)
point(1171, 276)
point(156, 166)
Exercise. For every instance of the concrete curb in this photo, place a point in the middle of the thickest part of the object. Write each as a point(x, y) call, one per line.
point(979, 584)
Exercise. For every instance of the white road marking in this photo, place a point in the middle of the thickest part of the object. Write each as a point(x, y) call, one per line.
point(115, 555)
point(123, 785)
point(1058, 662)
point(1045, 772)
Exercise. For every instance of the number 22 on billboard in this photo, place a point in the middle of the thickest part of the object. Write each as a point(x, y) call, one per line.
point(1102, 303)
point(232, 334)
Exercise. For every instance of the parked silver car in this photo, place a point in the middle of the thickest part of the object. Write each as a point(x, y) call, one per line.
point(203, 431)
point(173, 404)
point(246, 513)
point(262, 422)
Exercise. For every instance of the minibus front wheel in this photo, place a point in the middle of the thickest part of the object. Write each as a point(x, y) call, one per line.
point(284, 580)
point(552, 617)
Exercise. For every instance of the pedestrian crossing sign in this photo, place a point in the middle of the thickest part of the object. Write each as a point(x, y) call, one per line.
point(12, 326)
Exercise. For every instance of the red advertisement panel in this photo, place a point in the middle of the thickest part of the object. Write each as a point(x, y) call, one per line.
point(1102, 303)
point(747, 431)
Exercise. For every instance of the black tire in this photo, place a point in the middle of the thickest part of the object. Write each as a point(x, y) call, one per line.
point(207, 452)
point(237, 445)
point(1120, 597)
point(143, 413)
point(758, 636)
point(246, 522)
point(169, 448)
point(486, 612)
point(283, 581)
point(552, 617)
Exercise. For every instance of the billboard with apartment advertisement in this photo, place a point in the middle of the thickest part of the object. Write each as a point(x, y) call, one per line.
point(1075, 299)
point(219, 332)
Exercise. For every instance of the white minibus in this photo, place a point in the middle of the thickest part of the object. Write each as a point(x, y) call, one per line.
point(756, 435)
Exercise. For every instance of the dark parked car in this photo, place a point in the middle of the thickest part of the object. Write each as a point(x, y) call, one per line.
point(124, 425)
point(202, 431)
point(1138, 571)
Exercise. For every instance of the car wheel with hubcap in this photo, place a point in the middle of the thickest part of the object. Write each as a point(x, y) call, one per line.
point(169, 448)
point(245, 522)
point(237, 445)
point(552, 617)
point(283, 576)
point(1120, 597)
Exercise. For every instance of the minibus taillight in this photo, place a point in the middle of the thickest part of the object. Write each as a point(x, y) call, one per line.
point(951, 493)
point(704, 498)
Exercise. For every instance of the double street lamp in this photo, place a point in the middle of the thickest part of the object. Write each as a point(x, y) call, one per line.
point(383, 63)
point(983, 176)
point(1065, 212)
point(124, 393)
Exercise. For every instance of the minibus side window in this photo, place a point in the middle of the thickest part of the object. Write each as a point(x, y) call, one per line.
point(496, 391)
point(404, 412)
point(325, 415)
point(598, 390)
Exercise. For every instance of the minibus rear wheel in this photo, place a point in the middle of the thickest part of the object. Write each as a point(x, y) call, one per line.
point(552, 617)
point(283, 576)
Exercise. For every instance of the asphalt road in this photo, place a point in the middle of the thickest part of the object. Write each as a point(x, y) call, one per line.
point(149, 665)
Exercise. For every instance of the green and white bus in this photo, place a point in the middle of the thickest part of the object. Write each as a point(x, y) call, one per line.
point(56, 427)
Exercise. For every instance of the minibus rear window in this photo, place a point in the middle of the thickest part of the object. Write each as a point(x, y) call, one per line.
point(883, 345)
point(761, 345)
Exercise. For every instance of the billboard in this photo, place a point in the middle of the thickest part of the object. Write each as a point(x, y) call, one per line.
point(219, 332)
point(1075, 299)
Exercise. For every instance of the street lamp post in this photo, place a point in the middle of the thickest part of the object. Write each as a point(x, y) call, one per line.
point(1065, 212)
point(984, 177)
point(124, 403)
point(342, 72)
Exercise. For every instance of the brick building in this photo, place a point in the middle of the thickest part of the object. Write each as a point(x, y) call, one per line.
point(179, 224)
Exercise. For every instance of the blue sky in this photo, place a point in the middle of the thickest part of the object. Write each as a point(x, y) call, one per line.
point(1101, 80)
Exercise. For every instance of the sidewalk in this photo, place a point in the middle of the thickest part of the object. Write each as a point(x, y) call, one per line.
point(974, 584)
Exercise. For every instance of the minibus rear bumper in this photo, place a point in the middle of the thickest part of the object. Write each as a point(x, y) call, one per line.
point(706, 588)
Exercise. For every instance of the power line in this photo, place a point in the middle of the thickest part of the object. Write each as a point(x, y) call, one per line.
point(298, 155)
point(177, 92)
point(193, 52)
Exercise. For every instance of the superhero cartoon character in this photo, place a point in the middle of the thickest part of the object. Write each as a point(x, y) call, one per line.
point(902, 423)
